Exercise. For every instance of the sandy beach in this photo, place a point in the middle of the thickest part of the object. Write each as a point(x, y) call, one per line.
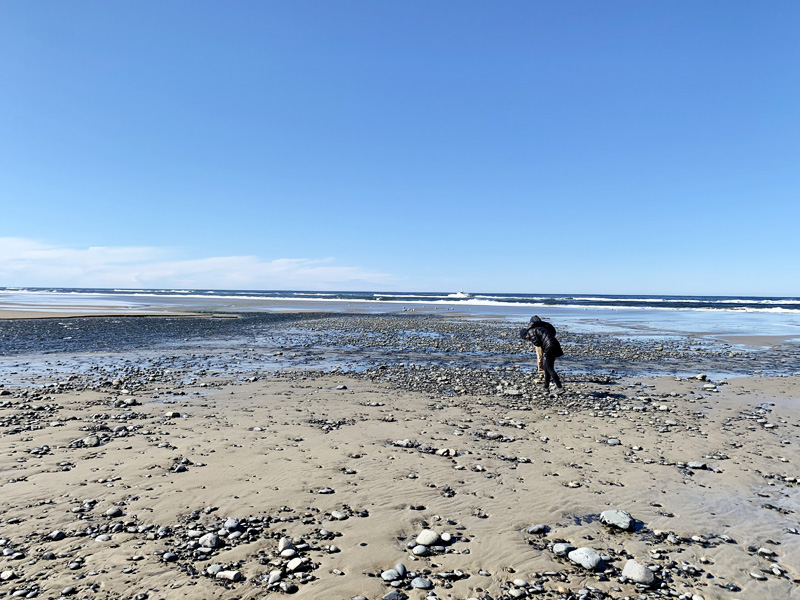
point(152, 482)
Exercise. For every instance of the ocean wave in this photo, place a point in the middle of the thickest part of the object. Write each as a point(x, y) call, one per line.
point(789, 305)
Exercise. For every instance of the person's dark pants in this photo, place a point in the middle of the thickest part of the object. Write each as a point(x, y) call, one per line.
point(550, 370)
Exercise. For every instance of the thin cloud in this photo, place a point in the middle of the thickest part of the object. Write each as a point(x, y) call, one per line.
point(26, 262)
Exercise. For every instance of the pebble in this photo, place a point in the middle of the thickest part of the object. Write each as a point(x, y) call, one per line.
point(420, 550)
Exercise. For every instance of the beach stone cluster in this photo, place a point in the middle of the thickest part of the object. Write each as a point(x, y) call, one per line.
point(430, 542)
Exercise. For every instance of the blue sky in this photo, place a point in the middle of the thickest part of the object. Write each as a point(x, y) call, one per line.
point(511, 146)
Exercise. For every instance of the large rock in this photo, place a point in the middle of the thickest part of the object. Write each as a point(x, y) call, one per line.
point(638, 573)
point(585, 557)
point(428, 537)
point(210, 540)
point(617, 518)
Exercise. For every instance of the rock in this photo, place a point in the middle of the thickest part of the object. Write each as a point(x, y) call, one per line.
point(428, 537)
point(287, 587)
point(91, 441)
point(539, 528)
point(214, 569)
point(7, 575)
point(338, 515)
point(56, 535)
point(229, 575)
point(638, 573)
point(617, 518)
point(231, 524)
point(585, 557)
point(114, 511)
point(401, 569)
point(562, 548)
point(210, 540)
point(394, 595)
point(390, 575)
point(169, 557)
point(697, 465)
point(296, 564)
point(420, 583)
point(420, 550)
point(613, 442)
point(285, 543)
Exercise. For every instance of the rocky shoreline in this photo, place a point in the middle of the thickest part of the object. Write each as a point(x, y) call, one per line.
point(396, 458)
point(258, 343)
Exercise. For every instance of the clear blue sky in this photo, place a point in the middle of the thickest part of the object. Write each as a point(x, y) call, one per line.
point(511, 146)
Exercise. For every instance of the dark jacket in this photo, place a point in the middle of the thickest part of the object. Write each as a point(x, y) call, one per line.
point(537, 322)
point(544, 337)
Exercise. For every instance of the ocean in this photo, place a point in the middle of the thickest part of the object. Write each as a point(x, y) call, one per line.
point(775, 305)
point(589, 313)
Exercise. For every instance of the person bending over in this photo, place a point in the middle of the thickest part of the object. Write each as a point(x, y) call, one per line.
point(537, 322)
point(544, 338)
